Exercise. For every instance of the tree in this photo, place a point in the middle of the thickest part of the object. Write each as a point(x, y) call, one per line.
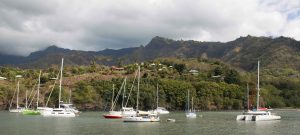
point(232, 76)
point(84, 93)
point(180, 67)
point(218, 71)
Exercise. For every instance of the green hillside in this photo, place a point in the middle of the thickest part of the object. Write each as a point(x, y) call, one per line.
point(216, 86)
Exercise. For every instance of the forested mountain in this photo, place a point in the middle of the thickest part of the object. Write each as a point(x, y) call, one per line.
point(242, 53)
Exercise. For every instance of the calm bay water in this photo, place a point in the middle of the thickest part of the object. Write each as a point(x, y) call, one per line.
point(92, 123)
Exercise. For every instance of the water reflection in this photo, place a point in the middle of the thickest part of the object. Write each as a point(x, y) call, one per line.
point(267, 127)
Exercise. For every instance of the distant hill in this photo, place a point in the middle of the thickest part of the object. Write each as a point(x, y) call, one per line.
point(242, 53)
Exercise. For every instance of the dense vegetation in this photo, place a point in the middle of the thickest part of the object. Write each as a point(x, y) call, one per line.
point(215, 86)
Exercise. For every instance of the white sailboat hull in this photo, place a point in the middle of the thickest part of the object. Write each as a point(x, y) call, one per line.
point(161, 110)
point(265, 117)
point(141, 119)
point(44, 110)
point(16, 110)
point(244, 117)
point(191, 115)
point(128, 112)
point(257, 116)
point(58, 113)
point(113, 115)
point(70, 107)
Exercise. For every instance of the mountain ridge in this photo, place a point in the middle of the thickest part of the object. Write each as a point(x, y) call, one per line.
point(242, 52)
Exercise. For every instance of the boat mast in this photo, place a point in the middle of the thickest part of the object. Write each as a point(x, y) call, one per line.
point(124, 92)
point(38, 90)
point(112, 98)
point(192, 104)
point(26, 100)
point(18, 89)
point(157, 95)
point(60, 81)
point(188, 101)
point(138, 87)
point(257, 102)
point(248, 103)
point(70, 95)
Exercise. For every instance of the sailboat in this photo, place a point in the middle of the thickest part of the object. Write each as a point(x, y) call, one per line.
point(258, 114)
point(113, 114)
point(45, 109)
point(125, 111)
point(159, 110)
point(59, 112)
point(141, 116)
point(18, 109)
point(128, 111)
point(69, 106)
point(190, 112)
point(34, 111)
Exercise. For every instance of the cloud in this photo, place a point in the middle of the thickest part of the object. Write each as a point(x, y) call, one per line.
point(31, 25)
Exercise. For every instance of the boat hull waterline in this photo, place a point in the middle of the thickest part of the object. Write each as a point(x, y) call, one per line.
point(31, 112)
point(141, 119)
point(109, 116)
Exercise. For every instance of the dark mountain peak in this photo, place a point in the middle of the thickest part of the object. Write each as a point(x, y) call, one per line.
point(284, 39)
point(246, 38)
point(159, 42)
point(158, 39)
point(54, 48)
point(263, 38)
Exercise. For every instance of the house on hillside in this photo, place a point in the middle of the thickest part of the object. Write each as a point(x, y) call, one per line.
point(117, 68)
point(152, 64)
point(194, 72)
point(218, 76)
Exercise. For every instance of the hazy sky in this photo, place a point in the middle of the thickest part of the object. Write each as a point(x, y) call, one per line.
point(31, 25)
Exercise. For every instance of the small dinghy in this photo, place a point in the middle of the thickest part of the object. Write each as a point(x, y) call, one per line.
point(171, 120)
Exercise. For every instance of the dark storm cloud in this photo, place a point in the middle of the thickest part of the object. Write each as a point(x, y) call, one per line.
point(31, 25)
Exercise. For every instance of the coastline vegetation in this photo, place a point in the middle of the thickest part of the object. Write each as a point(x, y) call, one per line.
point(213, 84)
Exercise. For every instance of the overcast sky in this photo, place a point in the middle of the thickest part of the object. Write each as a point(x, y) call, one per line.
point(31, 25)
